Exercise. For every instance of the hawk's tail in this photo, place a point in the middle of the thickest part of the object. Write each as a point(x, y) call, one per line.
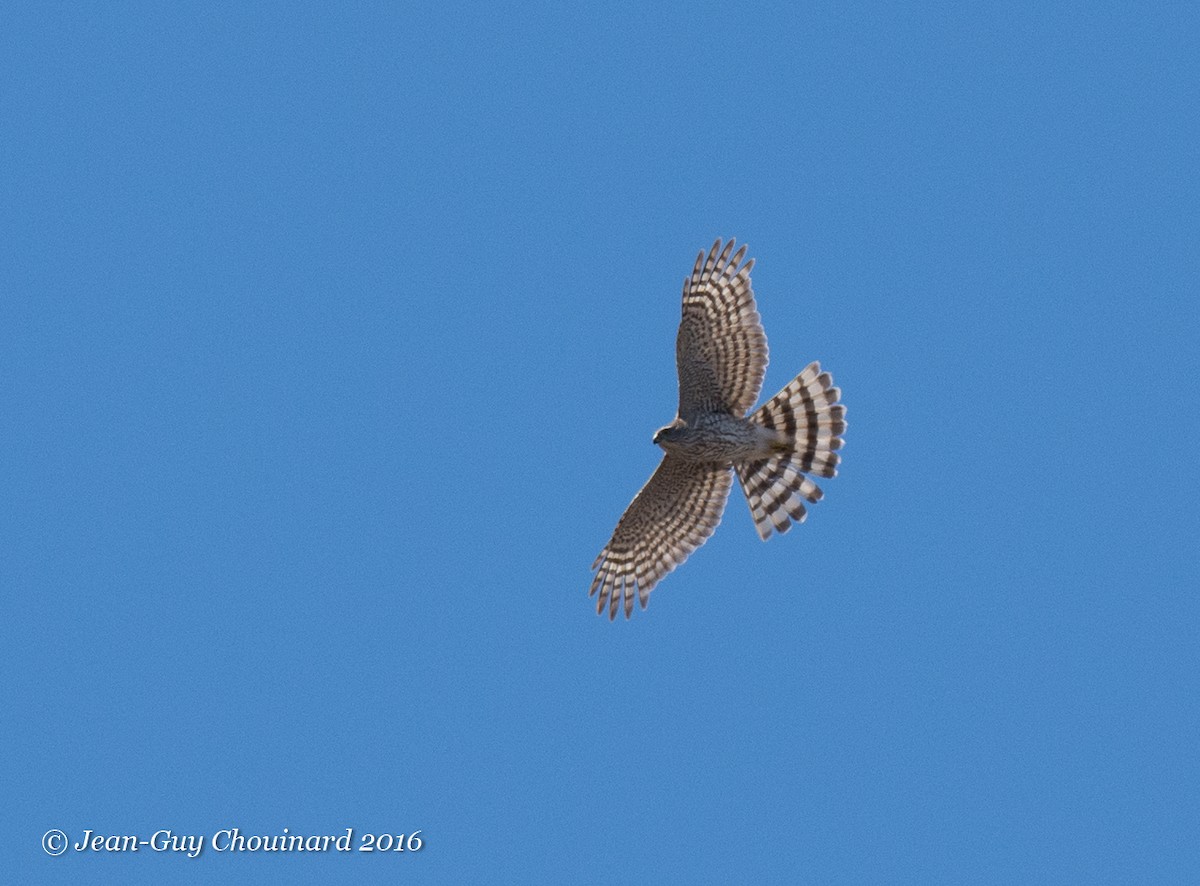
point(809, 419)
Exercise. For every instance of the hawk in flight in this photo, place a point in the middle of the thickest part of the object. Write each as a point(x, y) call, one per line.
point(721, 354)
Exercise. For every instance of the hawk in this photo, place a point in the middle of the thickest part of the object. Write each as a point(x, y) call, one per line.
point(721, 355)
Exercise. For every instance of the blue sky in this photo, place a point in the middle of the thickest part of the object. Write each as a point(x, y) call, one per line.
point(332, 342)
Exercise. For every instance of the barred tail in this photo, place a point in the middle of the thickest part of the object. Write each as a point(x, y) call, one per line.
point(810, 421)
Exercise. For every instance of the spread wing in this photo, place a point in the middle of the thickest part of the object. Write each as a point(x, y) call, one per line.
point(721, 350)
point(675, 512)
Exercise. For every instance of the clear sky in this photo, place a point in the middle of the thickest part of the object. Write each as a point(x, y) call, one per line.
point(332, 340)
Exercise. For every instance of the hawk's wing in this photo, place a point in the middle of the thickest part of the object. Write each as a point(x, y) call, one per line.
point(676, 511)
point(721, 350)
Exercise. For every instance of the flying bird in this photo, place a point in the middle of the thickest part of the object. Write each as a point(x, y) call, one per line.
point(721, 355)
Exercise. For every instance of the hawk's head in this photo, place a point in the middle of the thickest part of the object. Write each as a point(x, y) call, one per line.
point(669, 433)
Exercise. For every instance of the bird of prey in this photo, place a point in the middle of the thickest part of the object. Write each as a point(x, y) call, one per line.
point(721, 355)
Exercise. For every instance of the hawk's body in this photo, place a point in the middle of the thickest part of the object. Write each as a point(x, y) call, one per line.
point(719, 437)
point(721, 353)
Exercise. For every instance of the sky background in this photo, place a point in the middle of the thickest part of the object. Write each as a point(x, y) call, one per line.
point(332, 340)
